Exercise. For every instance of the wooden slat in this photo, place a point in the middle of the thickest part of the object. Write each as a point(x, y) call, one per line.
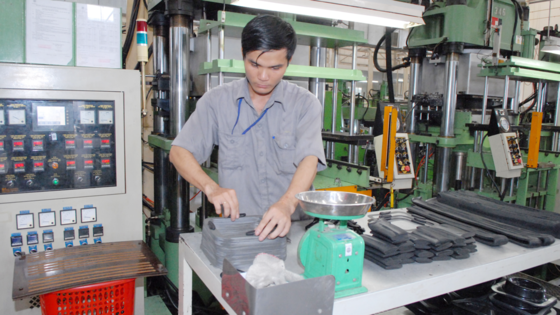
point(72, 267)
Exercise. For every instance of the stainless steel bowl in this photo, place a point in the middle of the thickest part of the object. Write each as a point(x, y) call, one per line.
point(335, 203)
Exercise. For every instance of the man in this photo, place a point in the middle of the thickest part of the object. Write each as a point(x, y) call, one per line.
point(268, 131)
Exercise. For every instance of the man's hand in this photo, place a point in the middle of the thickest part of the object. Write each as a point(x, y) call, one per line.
point(224, 198)
point(279, 216)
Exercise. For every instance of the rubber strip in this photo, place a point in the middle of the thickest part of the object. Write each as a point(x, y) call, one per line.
point(389, 231)
point(407, 261)
point(441, 258)
point(482, 236)
point(447, 252)
point(386, 249)
point(375, 260)
point(406, 247)
point(516, 235)
point(443, 234)
point(423, 253)
point(422, 260)
point(441, 247)
point(535, 220)
point(419, 242)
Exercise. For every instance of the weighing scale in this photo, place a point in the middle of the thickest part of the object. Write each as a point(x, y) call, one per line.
point(334, 250)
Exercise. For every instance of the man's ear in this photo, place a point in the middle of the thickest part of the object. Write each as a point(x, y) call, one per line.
point(290, 60)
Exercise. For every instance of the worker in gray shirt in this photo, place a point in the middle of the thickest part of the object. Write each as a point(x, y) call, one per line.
point(268, 132)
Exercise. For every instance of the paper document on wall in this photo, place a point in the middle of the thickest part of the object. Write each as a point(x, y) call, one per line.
point(98, 36)
point(48, 26)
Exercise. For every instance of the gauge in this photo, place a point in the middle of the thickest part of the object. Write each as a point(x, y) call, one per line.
point(16, 117)
point(89, 215)
point(503, 124)
point(67, 217)
point(25, 221)
point(106, 117)
point(47, 218)
point(87, 117)
point(1, 116)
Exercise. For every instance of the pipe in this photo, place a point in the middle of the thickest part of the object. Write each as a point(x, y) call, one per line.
point(460, 159)
point(178, 64)
point(515, 106)
point(426, 160)
point(556, 137)
point(448, 121)
point(208, 59)
point(506, 92)
point(159, 66)
point(413, 89)
point(351, 150)
point(221, 52)
point(482, 120)
point(539, 95)
point(335, 104)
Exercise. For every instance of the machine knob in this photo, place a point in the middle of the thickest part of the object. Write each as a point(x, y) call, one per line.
point(55, 181)
point(54, 165)
point(29, 183)
point(10, 184)
point(33, 251)
point(80, 179)
point(520, 161)
point(97, 179)
point(407, 168)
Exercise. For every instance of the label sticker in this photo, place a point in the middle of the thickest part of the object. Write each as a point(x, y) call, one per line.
point(348, 250)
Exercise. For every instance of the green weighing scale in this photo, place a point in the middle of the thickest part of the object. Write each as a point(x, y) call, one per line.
point(334, 250)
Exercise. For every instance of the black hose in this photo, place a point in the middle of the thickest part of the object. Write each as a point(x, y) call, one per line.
point(514, 24)
point(130, 32)
point(388, 32)
point(376, 61)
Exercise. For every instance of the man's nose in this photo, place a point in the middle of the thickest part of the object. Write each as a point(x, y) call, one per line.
point(263, 74)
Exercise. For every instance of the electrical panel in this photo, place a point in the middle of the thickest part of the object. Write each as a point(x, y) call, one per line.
point(68, 175)
point(403, 170)
point(506, 155)
point(56, 145)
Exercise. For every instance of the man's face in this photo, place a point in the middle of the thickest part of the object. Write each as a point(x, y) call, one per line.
point(265, 70)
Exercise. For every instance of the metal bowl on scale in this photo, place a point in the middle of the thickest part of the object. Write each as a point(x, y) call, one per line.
point(334, 204)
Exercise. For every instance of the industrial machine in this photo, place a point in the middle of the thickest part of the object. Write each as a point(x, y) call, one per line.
point(69, 164)
point(333, 249)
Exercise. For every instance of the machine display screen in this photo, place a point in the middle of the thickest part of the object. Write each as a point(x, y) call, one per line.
point(51, 115)
point(55, 145)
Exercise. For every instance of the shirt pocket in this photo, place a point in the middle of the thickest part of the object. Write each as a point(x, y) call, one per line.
point(285, 148)
point(231, 150)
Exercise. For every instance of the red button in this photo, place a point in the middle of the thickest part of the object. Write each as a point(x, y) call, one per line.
point(407, 168)
point(19, 143)
point(105, 141)
point(106, 161)
point(69, 141)
point(88, 161)
point(70, 163)
point(39, 164)
point(38, 143)
point(519, 161)
point(2, 165)
point(88, 141)
point(19, 165)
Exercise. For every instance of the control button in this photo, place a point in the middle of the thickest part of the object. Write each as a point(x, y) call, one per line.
point(2, 168)
point(48, 247)
point(19, 167)
point(97, 179)
point(88, 144)
point(48, 237)
point(407, 168)
point(37, 145)
point(32, 238)
point(16, 240)
point(54, 165)
point(97, 230)
point(70, 144)
point(69, 234)
point(17, 145)
point(105, 163)
point(38, 166)
point(32, 249)
point(1, 146)
point(83, 232)
point(97, 240)
point(520, 161)
point(29, 183)
point(83, 242)
point(70, 165)
point(105, 143)
point(88, 163)
point(10, 183)
point(80, 179)
point(69, 244)
point(55, 181)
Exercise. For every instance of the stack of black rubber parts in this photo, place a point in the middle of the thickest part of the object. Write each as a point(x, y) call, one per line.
point(390, 246)
point(493, 222)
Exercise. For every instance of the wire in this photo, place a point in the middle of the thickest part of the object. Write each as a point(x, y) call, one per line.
point(488, 172)
point(130, 32)
point(376, 62)
point(195, 195)
point(515, 4)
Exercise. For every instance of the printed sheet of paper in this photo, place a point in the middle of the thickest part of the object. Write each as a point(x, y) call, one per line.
point(98, 36)
point(48, 26)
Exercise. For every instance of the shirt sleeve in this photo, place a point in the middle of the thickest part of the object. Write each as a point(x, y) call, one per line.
point(200, 132)
point(309, 139)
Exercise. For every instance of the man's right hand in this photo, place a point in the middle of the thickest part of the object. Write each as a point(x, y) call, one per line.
point(224, 198)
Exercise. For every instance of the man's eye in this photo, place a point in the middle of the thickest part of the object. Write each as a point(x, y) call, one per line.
point(255, 65)
point(275, 68)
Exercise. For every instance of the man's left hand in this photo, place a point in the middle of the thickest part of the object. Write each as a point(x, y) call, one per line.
point(279, 216)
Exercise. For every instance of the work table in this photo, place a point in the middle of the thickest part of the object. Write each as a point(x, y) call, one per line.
point(387, 289)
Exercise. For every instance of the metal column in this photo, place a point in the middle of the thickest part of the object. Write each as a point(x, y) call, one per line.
point(221, 51)
point(353, 149)
point(556, 136)
point(478, 134)
point(334, 105)
point(179, 35)
point(414, 87)
point(448, 121)
point(316, 85)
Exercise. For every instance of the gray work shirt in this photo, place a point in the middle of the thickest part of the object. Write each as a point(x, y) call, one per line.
point(258, 165)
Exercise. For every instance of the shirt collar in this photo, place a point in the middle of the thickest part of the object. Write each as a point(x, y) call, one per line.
point(276, 97)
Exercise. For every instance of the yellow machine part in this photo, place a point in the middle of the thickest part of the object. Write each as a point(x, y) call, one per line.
point(534, 140)
point(388, 150)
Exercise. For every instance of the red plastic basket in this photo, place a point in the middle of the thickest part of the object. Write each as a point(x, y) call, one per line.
point(114, 297)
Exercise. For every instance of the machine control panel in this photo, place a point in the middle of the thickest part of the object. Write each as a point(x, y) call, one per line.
point(48, 145)
point(505, 148)
point(402, 156)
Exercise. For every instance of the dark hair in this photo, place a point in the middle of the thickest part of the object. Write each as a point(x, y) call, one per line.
point(267, 32)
